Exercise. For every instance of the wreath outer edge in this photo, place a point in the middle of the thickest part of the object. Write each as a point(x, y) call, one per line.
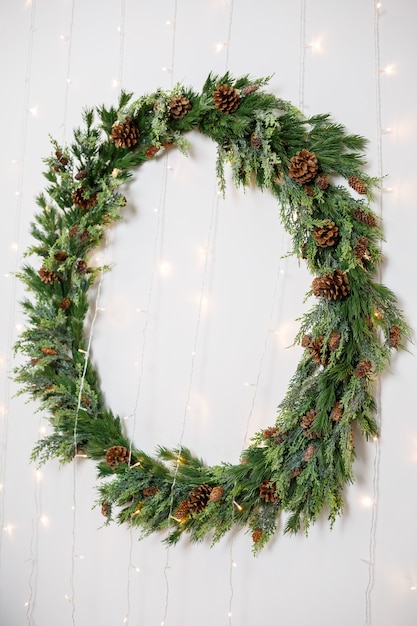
point(301, 464)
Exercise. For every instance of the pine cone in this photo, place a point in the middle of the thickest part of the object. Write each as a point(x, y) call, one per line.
point(48, 351)
point(116, 455)
point(125, 134)
point(249, 89)
point(326, 235)
point(151, 151)
point(331, 286)
point(303, 167)
point(105, 509)
point(198, 498)
point(267, 491)
point(65, 304)
point(150, 491)
point(361, 249)
point(179, 107)
point(364, 218)
point(305, 341)
point(61, 158)
point(80, 199)
point(322, 182)
point(363, 368)
point(81, 175)
point(182, 511)
point(336, 412)
point(73, 231)
point(256, 142)
point(334, 341)
point(308, 454)
point(307, 420)
point(226, 98)
point(256, 535)
point(82, 266)
point(47, 276)
point(394, 337)
point(269, 432)
point(316, 354)
point(357, 184)
point(60, 256)
point(216, 494)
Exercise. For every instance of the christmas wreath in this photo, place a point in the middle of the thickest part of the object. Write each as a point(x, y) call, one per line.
point(315, 169)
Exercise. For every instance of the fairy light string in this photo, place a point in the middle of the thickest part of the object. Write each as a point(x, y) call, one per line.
point(377, 451)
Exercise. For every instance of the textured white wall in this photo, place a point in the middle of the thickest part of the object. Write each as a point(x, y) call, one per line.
point(320, 580)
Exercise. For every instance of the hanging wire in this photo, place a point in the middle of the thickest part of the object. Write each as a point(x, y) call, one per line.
point(68, 72)
point(301, 76)
point(377, 453)
point(75, 434)
point(12, 317)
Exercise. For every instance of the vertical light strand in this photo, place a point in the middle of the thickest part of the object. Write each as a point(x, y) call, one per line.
point(77, 411)
point(301, 80)
point(13, 299)
point(34, 552)
point(68, 72)
point(122, 43)
point(174, 42)
point(209, 245)
point(377, 453)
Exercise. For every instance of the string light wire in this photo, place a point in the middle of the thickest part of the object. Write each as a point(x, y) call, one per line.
point(12, 315)
point(377, 453)
point(301, 77)
point(68, 72)
point(77, 412)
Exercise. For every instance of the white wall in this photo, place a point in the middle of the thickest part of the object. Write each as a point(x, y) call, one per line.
point(364, 570)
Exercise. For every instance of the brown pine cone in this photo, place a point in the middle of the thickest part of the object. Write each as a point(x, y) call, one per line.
point(305, 341)
point(105, 508)
point(361, 249)
point(125, 134)
point(307, 420)
point(303, 167)
point(198, 498)
point(116, 455)
point(182, 511)
point(315, 348)
point(256, 142)
point(334, 341)
point(83, 199)
point(65, 304)
point(81, 266)
point(333, 286)
point(267, 491)
point(363, 368)
point(249, 89)
point(364, 218)
point(60, 256)
point(151, 151)
point(357, 184)
point(256, 535)
point(336, 412)
point(394, 336)
point(47, 276)
point(308, 454)
point(48, 351)
point(81, 175)
point(322, 182)
point(269, 432)
point(226, 98)
point(73, 231)
point(179, 107)
point(326, 235)
point(216, 494)
point(150, 491)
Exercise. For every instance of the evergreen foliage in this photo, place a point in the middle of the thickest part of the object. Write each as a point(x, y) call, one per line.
point(301, 464)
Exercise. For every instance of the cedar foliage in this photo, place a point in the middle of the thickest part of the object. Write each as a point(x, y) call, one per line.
point(306, 469)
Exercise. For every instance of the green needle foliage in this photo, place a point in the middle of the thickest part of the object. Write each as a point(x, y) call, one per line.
point(302, 463)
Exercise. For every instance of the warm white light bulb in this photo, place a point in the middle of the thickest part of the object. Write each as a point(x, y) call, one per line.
point(367, 502)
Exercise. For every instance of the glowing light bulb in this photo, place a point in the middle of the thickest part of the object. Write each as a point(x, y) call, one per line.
point(388, 69)
point(44, 520)
point(238, 506)
point(413, 588)
point(165, 268)
point(38, 475)
point(367, 502)
point(34, 111)
point(166, 69)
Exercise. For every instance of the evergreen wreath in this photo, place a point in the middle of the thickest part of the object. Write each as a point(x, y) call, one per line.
point(301, 463)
